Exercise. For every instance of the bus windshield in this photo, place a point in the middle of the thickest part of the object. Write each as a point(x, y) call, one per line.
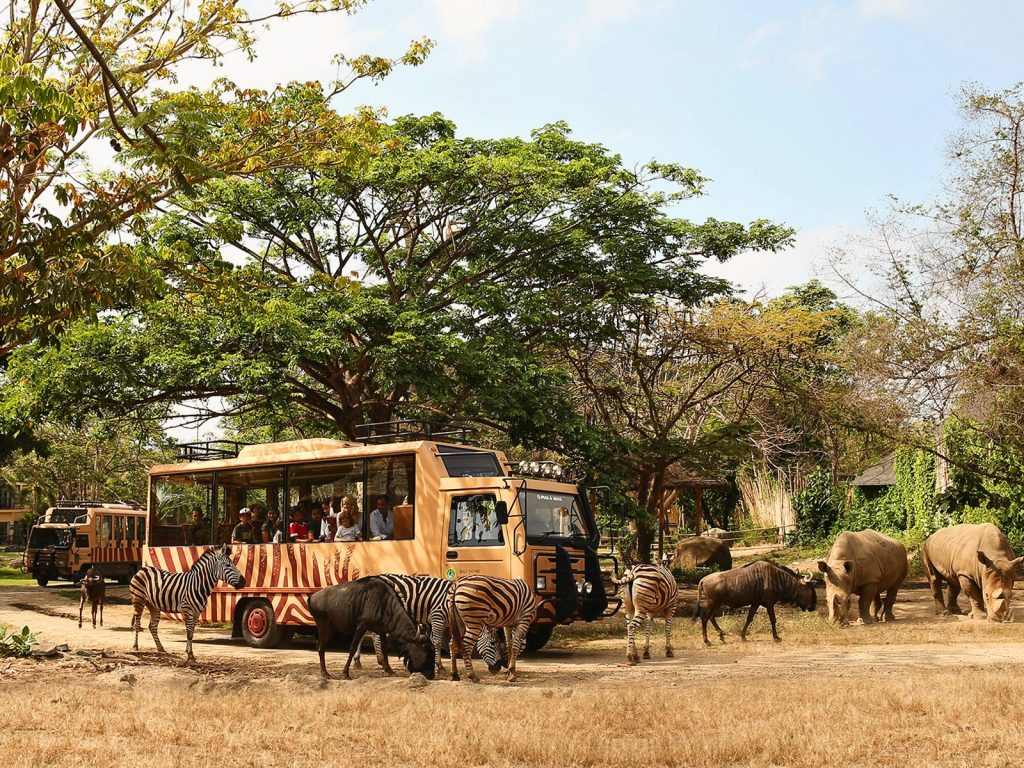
point(552, 516)
point(65, 515)
point(42, 538)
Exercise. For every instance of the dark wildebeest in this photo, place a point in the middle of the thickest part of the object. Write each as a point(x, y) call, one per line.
point(755, 584)
point(94, 589)
point(369, 605)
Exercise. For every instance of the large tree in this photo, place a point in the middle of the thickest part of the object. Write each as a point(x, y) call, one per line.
point(429, 274)
point(81, 77)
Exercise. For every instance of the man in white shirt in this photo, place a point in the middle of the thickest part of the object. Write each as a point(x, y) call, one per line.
point(382, 522)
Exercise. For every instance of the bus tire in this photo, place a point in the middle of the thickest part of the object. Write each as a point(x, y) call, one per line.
point(42, 581)
point(537, 636)
point(259, 627)
point(126, 578)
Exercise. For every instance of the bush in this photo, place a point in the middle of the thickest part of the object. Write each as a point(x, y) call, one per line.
point(817, 507)
point(17, 643)
point(693, 575)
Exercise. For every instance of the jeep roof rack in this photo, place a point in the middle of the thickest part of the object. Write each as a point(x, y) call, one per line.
point(377, 432)
point(209, 450)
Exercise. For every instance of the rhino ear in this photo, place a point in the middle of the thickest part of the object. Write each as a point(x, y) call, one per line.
point(983, 559)
point(823, 566)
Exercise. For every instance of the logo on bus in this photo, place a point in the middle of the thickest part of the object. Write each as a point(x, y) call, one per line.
point(450, 574)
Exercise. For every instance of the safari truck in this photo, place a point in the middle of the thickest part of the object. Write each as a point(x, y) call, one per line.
point(455, 510)
point(73, 536)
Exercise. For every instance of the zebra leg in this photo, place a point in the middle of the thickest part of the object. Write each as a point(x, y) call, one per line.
point(379, 653)
point(137, 622)
point(383, 658)
point(190, 628)
point(154, 622)
point(516, 637)
point(469, 639)
point(750, 618)
point(648, 627)
point(668, 632)
point(357, 638)
point(454, 650)
point(437, 638)
point(632, 625)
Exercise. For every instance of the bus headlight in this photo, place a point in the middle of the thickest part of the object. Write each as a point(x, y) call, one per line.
point(579, 587)
point(588, 587)
point(541, 583)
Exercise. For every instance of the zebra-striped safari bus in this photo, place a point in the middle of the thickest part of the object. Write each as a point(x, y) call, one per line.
point(449, 509)
point(73, 536)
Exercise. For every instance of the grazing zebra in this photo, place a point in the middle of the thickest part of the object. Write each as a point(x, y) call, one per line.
point(184, 593)
point(426, 598)
point(651, 591)
point(481, 602)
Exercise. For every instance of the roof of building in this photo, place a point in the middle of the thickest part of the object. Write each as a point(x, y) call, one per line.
point(678, 476)
point(881, 473)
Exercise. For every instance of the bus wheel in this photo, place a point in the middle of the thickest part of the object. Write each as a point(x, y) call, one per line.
point(126, 578)
point(259, 627)
point(537, 636)
point(42, 581)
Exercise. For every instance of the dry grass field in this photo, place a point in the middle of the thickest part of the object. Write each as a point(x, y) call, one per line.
point(921, 692)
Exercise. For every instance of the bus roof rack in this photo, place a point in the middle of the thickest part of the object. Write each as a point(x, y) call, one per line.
point(89, 503)
point(377, 432)
point(209, 450)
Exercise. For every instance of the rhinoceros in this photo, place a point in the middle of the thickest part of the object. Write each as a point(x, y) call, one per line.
point(977, 559)
point(865, 564)
point(702, 550)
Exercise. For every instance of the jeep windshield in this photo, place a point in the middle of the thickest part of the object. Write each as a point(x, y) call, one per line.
point(553, 517)
point(41, 538)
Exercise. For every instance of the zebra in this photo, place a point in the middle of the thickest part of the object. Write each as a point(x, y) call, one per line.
point(184, 593)
point(651, 591)
point(426, 598)
point(477, 603)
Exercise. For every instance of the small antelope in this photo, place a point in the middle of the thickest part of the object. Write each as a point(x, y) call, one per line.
point(95, 591)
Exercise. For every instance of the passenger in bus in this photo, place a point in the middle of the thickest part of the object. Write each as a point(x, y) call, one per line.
point(272, 528)
point(199, 531)
point(382, 522)
point(243, 532)
point(348, 528)
point(318, 522)
point(259, 519)
point(298, 530)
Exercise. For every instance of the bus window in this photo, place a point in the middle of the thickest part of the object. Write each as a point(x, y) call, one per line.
point(103, 530)
point(327, 483)
point(172, 498)
point(391, 484)
point(118, 525)
point(130, 535)
point(255, 489)
point(140, 524)
point(473, 522)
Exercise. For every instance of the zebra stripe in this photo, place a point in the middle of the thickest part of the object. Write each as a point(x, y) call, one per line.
point(185, 593)
point(426, 598)
point(481, 602)
point(651, 591)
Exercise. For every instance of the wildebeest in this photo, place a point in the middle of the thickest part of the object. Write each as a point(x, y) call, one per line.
point(755, 584)
point(369, 605)
point(977, 559)
point(866, 564)
point(94, 589)
point(185, 593)
point(651, 591)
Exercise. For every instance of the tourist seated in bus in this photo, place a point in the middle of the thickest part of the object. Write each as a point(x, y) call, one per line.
point(199, 532)
point(382, 523)
point(332, 528)
point(318, 522)
point(243, 532)
point(348, 528)
point(272, 528)
point(298, 529)
point(259, 519)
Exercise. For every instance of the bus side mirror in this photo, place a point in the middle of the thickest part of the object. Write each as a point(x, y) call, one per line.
point(501, 512)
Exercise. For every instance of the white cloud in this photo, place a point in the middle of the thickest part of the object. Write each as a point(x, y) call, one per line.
point(893, 9)
point(599, 15)
point(468, 23)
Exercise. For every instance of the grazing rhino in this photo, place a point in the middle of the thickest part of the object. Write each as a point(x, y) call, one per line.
point(977, 559)
point(702, 550)
point(865, 564)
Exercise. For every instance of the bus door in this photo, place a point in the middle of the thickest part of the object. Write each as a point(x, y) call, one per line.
point(475, 543)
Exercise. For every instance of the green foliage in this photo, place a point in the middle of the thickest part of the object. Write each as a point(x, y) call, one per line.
point(693, 575)
point(817, 506)
point(18, 644)
point(907, 509)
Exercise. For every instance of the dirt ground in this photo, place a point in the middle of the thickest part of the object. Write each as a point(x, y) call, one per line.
point(920, 687)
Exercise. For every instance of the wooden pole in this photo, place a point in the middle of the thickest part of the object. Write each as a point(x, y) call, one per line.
point(698, 513)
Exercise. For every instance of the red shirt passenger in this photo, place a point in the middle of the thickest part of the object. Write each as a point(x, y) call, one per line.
point(298, 529)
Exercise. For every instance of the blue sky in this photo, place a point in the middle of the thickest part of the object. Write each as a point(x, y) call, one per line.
point(807, 113)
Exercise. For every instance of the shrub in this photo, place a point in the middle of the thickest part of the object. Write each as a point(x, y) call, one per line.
point(17, 643)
